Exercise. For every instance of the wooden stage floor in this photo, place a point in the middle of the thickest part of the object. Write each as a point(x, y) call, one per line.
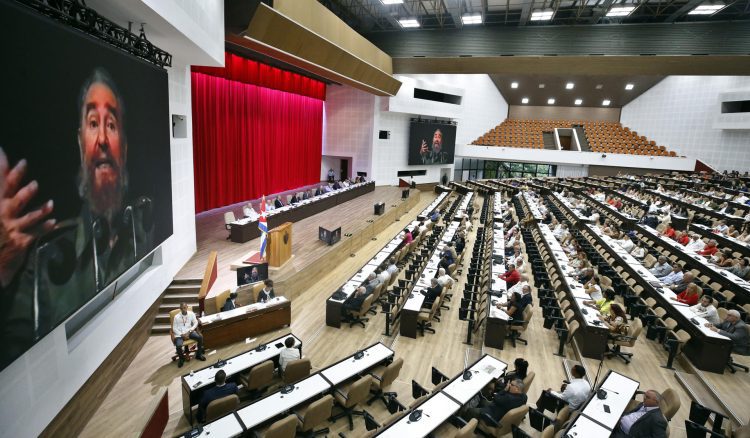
point(120, 414)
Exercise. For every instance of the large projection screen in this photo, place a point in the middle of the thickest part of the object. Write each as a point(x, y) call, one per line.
point(86, 192)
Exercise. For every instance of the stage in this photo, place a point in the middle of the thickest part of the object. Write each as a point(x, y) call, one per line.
point(311, 258)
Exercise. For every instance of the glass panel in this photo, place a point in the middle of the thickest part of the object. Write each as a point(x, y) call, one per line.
point(529, 174)
point(515, 174)
point(516, 167)
point(529, 168)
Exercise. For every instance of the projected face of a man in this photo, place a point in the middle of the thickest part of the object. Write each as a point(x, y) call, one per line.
point(437, 140)
point(103, 150)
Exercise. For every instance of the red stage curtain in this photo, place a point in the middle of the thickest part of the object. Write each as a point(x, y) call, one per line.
point(244, 70)
point(250, 140)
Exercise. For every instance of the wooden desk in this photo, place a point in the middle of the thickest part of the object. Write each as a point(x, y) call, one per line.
point(195, 384)
point(255, 319)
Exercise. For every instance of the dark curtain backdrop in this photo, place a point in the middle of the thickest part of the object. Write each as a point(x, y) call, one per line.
point(250, 140)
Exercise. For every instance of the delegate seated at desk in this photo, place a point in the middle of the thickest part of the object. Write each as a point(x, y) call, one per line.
point(288, 354)
point(231, 302)
point(431, 293)
point(222, 389)
point(517, 303)
point(355, 301)
point(645, 421)
point(267, 292)
point(706, 310)
point(734, 328)
point(577, 391)
point(502, 401)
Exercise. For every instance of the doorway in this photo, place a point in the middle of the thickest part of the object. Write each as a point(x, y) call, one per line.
point(344, 172)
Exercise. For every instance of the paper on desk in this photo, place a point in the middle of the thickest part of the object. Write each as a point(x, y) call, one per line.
point(249, 341)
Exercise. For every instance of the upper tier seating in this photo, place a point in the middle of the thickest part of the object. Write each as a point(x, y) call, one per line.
point(606, 137)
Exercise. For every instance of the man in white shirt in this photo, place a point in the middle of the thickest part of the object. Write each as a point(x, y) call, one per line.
point(422, 227)
point(392, 268)
point(288, 354)
point(184, 327)
point(518, 287)
point(250, 212)
point(705, 309)
point(443, 278)
point(577, 391)
point(696, 243)
point(384, 276)
point(626, 243)
point(673, 277)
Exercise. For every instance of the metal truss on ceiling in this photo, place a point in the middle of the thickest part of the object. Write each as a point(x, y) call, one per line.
point(374, 16)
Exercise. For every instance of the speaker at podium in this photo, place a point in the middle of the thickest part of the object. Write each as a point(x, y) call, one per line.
point(329, 236)
point(380, 208)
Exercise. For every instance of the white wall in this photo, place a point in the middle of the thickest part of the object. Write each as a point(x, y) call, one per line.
point(482, 108)
point(679, 113)
point(35, 387)
point(348, 127)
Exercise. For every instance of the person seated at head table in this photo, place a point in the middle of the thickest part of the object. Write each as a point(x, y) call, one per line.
point(294, 199)
point(250, 212)
point(230, 303)
point(267, 292)
point(735, 329)
point(222, 389)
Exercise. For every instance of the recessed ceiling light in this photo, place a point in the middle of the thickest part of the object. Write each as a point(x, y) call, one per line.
point(599, 86)
point(709, 9)
point(542, 15)
point(408, 22)
point(550, 101)
point(606, 102)
point(525, 100)
point(621, 11)
point(471, 19)
point(579, 101)
point(392, 2)
point(569, 86)
point(629, 86)
point(541, 85)
point(514, 85)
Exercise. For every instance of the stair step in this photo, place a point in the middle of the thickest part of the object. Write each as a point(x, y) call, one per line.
point(180, 297)
point(182, 288)
point(186, 281)
point(160, 328)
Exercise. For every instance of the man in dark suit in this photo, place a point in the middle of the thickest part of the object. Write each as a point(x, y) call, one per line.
point(735, 329)
point(222, 389)
point(318, 191)
point(431, 293)
point(645, 421)
point(231, 302)
point(278, 203)
point(267, 292)
point(294, 199)
point(354, 302)
point(503, 401)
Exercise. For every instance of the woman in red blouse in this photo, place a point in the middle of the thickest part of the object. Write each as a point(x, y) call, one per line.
point(690, 295)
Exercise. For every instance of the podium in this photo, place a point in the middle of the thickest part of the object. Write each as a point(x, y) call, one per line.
point(279, 245)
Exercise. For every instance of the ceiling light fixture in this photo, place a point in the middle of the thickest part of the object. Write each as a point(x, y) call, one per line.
point(599, 86)
point(514, 85)
point(708, 9)
point(606, 102)
point(629, 86)
point(542, 15)
point(550, 101)
point(408, 22)
point(569, 86)
point(525, 100)
point(392, 2)
point(578, 101)
point(621, 11)
point(471, 19)
point(541, 85)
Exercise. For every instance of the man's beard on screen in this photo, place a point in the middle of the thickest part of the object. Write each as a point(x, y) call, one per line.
point(104, 195)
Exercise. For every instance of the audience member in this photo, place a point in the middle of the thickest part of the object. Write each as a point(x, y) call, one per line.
point(661, 267)
point(509, 398)
point(690, 295)
point(431, 293)
point(444, 279)
point(577, 390)
point(222, 389)
point(735, 329)
point(511, 276)
point(705, 309)
point(288, 353)
point(646, 420)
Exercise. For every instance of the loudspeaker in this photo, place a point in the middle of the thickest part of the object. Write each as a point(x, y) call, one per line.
point(380, 208)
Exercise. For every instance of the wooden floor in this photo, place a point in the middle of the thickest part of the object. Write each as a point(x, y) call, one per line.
point(121, 414)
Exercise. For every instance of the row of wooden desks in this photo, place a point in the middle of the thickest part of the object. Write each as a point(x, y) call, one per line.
point(735, 245)
point(707, 350)
point(497, 320)
point(246, 229)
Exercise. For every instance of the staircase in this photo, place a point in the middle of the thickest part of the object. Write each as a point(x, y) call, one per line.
point(178, 292)
point(549, 141)
point(582, 140)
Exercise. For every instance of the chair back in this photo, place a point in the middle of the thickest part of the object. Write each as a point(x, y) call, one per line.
point(284, 428)
point(260, 375)
point(468, 430)
point(527, 381)
point(221, 406)
point(670, 403)
point(548, 431)
point(512, 417)
point(365, 306)
point(229, 217)
point(317, 412)
point(358, 392)
point(391, 372)
point(296, 370)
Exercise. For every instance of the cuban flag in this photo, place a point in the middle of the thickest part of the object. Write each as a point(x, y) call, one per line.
point(263, 227)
